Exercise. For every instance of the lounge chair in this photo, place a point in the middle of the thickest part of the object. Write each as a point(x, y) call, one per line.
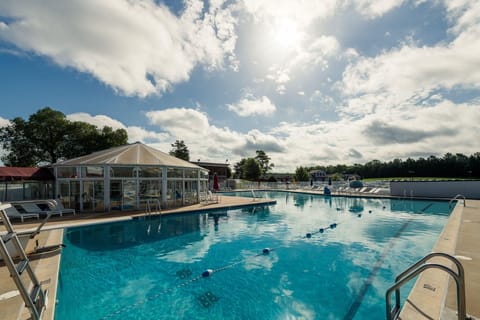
point(12, 212)
point(33, 208)
point(58, 206)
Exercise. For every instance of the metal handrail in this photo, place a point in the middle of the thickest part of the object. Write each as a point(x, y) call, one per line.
point(456, 198)
point(156, 202)
point(418, 268)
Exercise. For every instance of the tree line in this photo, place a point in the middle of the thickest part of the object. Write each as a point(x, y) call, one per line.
point(449, 166)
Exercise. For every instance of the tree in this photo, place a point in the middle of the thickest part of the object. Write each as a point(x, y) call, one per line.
point(180, 150)
point(238, 167)
point(301, 174)
point(251, 169)
point(48, 136)
point(264, 162)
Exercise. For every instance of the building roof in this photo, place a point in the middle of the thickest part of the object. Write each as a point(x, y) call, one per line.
point(131, 154)
point(18, 174)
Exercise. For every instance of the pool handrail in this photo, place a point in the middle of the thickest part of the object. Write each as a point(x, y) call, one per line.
point(416, 269)
point(456, 198)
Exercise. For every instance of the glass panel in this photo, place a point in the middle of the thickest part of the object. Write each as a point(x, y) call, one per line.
point(129, 195)
point(92, 172)
point(149, 190)
point(174, 173)
point(148, 172)
point(174, 194)
point(75, 195)
point(87, 196)
point(66, 172)
point(14, 192)
point(3, 192)
point(31, 191)
point(191, 173)
point(116, 194)
point(204, 174)
point(191, 192)
point(98, 195)
point(125, 172)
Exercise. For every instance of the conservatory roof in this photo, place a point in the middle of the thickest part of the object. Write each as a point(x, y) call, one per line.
point(132, 154)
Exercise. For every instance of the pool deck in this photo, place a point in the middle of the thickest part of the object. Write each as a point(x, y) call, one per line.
point(433, 296)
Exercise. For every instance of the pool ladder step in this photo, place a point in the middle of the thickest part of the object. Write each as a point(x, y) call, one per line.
point(35, 300)
point(415, 270)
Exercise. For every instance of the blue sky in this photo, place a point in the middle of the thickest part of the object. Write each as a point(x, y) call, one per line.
point(309, 82)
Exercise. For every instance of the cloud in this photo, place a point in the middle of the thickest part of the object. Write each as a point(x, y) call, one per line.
point(4, 122)
point(376, 8)
point(428, 131)
point(382, 133)
point(99, 120)
point(135, 133)
point(137, 48)
point(250, 106)
point(303, 11)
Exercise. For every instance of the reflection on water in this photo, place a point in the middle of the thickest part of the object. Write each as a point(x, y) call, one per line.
point(130, 233)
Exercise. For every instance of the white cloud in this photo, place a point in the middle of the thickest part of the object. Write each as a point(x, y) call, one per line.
point(376, 8)
point(303, 11)
point(137, 48)
point(135, 133)
point(410, 74)
point(99, 120)
point(250, 106)
point(4, 122)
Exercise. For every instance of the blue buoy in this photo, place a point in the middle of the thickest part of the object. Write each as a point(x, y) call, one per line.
point(321, 230)
point(369, 211)
point(359, 215)
point(207, 273)
point(333, 225)
point(309, 235)
point(266, 251)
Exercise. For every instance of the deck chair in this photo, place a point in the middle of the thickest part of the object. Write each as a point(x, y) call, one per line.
point(33, 208)
point(12, 212)
point(58, 206)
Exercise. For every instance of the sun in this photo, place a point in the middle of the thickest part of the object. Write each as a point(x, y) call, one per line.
point(286, 33)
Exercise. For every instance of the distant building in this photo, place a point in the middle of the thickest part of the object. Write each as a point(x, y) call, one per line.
point(220, 169)
point(318, 175)
point(17, 184)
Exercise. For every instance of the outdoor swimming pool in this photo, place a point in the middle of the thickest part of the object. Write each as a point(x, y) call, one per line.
point(329, 258)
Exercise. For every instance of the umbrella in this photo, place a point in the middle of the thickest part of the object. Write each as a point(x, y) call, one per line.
point(215, 182)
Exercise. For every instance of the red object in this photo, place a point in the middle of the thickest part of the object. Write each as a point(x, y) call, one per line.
point(215, 182)
point(18, 174)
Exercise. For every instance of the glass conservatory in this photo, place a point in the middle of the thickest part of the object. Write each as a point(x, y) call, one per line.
point(130, 177)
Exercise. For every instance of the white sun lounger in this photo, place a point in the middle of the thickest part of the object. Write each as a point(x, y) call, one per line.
point(59, 207)
point(33, 208)
point(12, 212)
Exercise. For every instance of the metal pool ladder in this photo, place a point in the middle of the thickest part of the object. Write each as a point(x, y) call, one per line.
point(461, 196)
point(155, 206)
point(35, 300)
point(419, 267)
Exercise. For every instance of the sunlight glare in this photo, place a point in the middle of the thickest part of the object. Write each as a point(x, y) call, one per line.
point(287, 34)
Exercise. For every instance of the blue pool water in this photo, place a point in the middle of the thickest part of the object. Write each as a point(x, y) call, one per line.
point(152, 268)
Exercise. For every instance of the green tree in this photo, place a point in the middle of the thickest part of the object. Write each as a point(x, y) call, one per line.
point(251, 169)
point(48, 136)
point(301, 174)
point(180, 150)
point(264, 162)
point(238, 168)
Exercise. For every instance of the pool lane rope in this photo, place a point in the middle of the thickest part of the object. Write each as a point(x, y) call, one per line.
point(206, 274)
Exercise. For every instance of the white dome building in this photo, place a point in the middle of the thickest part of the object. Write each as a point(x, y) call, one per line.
point(128, 178)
